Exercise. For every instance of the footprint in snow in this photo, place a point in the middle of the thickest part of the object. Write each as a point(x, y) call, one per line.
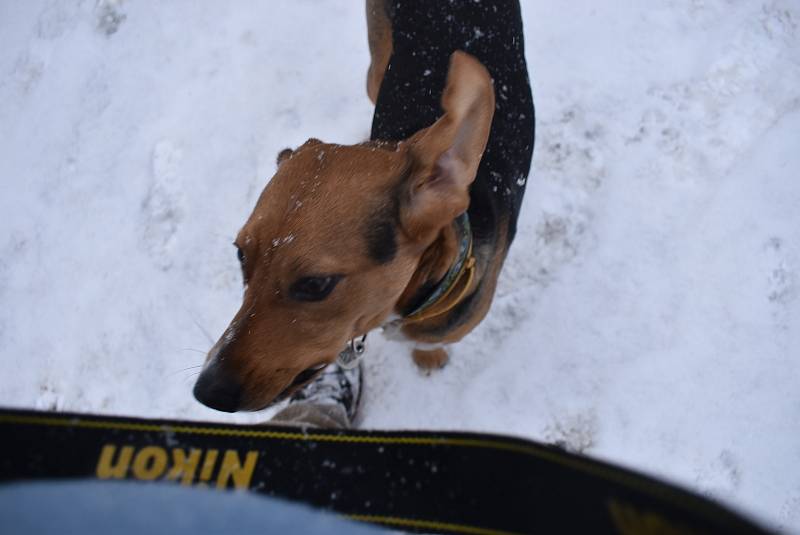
point(109, 16)
point(162, 209)
point(696, 124)
point(721, 477)
point(575, 433)
point(567, 174)
point(783, 281)
point(56, 19)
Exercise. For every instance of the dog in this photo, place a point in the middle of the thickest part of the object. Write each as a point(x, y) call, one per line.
point(407, 231)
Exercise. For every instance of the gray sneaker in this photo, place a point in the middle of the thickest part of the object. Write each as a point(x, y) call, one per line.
point(334, 386)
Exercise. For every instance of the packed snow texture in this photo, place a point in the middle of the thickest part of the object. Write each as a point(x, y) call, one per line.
point(649, 312)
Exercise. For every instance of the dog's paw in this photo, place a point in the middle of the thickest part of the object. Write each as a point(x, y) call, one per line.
point(428, 360)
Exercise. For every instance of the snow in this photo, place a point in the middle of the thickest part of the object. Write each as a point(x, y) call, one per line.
point(649, 312)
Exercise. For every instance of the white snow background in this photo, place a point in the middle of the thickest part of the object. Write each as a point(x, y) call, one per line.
point(649, 312)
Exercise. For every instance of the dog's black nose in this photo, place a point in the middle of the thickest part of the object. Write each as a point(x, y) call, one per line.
point(218, 389)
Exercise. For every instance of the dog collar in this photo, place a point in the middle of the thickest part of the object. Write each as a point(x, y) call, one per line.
point(437, 303)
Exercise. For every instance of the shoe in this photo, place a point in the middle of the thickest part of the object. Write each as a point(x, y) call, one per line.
point(334, 386)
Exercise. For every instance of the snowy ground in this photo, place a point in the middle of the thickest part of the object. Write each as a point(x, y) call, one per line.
point(649, 312)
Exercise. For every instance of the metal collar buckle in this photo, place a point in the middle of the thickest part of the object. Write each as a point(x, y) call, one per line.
point(350, 356)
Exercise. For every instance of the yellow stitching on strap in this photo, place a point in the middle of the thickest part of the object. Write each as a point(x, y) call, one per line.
point(428, 524)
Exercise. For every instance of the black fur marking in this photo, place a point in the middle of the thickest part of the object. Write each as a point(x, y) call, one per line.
point(381, 232)
point(381, 238)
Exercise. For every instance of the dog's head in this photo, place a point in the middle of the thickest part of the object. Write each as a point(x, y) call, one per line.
point(334, 241)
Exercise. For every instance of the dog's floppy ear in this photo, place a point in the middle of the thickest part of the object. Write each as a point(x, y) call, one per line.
point(287, 153)
point(446, 155)
point(283, 155)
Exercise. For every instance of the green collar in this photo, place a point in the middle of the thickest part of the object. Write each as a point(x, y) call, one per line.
point(465, 262)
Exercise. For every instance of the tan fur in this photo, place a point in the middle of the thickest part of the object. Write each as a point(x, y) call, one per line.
point(311, 219)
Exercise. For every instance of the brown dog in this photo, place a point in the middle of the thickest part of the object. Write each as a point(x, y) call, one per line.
point(345, 239)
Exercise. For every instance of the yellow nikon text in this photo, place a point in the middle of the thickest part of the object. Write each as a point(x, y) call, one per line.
point(190, 467)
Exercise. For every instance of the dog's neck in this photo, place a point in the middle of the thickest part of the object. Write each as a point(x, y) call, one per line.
point(433, 266)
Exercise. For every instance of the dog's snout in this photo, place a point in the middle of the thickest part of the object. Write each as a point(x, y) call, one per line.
point(218, 389)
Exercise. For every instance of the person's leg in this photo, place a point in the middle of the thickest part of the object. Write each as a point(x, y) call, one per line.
point(330, 401)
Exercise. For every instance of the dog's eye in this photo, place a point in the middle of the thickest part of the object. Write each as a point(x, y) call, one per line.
point(240, 255)
point(313, 288)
